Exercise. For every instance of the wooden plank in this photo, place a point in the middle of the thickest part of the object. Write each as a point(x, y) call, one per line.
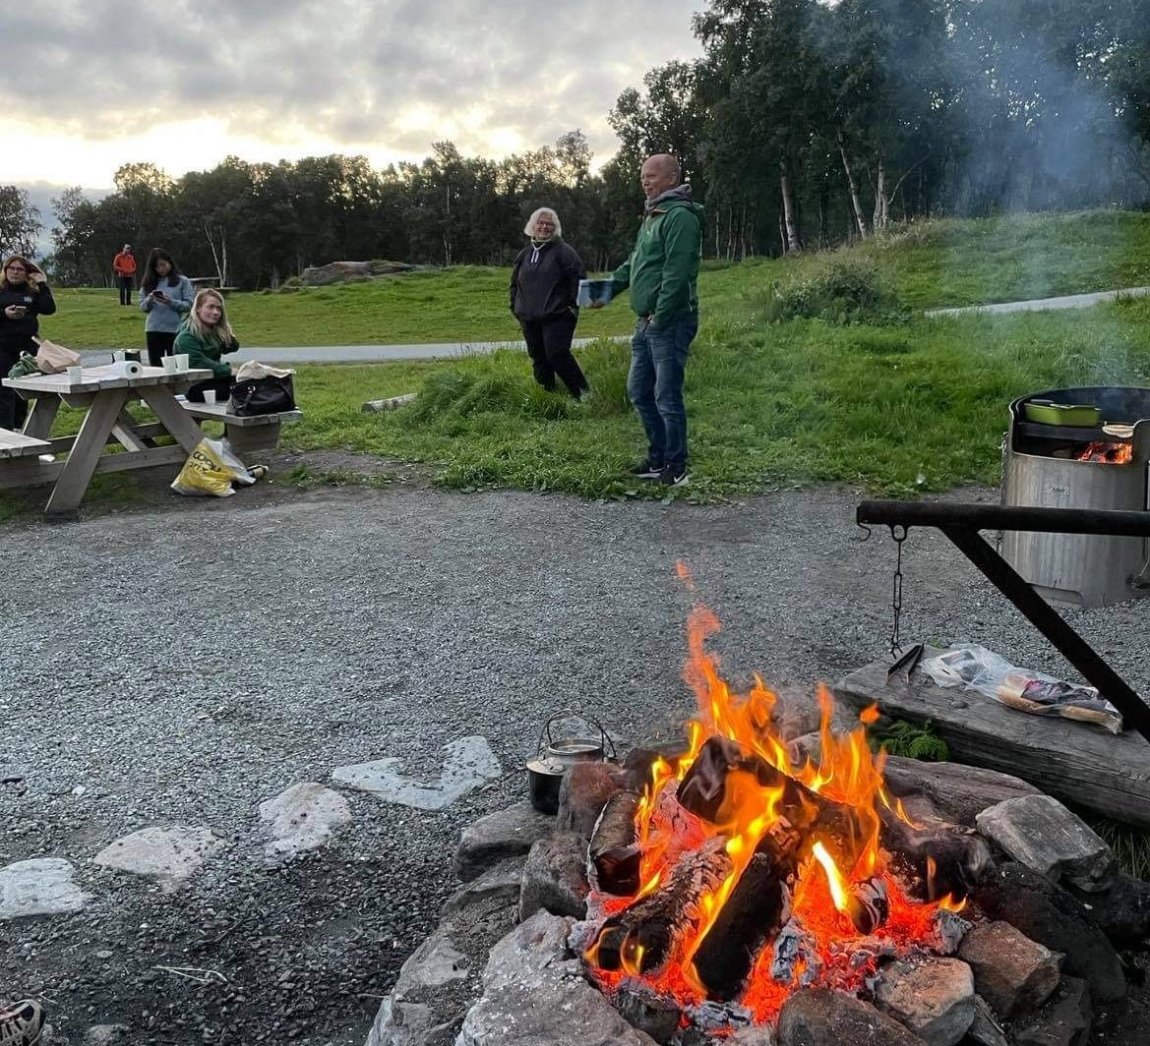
point(1080, 764)
point(89, 446)
point(17, 444)
point(28, 472)
point(125, 431)
point(143, 459)
point(41, 416)
point(219, 412)
point(96, 379)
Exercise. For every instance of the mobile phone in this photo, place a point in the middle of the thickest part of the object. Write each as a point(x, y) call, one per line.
point(21, 310)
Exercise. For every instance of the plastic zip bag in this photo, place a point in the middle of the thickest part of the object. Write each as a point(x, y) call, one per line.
point(974, 667)
point(211, 469)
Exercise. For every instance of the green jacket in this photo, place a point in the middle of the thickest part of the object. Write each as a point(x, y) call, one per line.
point(203, 353)
point(663, 270)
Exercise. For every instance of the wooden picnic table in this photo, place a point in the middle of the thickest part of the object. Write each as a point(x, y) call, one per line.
point(105, 397)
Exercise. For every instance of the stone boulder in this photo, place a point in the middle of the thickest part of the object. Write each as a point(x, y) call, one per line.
point(351, 271)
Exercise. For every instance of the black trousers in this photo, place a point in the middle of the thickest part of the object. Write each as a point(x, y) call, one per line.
point(13, 407)
point(125, 283)
point(159, 345)
point(221, 386)
point(549, 346)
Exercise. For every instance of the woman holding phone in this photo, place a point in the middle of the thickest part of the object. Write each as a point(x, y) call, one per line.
point(24, 295)
point(166, 296)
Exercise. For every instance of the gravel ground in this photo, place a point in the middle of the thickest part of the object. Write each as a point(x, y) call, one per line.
point(188, 661)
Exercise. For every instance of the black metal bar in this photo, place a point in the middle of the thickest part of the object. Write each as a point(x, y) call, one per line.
point(1001, 517)
point(1039, 613)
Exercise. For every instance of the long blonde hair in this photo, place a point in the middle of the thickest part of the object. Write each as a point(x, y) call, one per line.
point(222, 331)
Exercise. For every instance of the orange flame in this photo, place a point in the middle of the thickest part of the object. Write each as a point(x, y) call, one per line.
point(1110, 453)
point(844, 771)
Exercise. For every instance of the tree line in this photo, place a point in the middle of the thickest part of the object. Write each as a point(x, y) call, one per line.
point(803, 124)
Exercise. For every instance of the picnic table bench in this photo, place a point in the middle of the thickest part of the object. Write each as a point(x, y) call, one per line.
point(247, 432)
point(17, 445)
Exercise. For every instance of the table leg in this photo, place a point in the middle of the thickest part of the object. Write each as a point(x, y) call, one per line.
point(125, 431)
point(41, 415)
point(173, 417)
point(86, 451)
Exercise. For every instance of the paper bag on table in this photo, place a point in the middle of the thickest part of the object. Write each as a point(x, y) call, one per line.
point(52, 358)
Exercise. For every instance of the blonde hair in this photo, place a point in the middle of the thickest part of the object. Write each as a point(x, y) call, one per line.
point(222, 331)
point(529, 228)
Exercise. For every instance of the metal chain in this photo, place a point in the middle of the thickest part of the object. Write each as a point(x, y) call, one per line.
point(899, 533)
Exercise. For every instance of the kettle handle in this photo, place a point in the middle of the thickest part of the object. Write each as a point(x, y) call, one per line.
point(568, 713)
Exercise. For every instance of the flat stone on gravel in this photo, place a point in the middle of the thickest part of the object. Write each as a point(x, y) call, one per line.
point(934, 998)
point(503, 881)
point(1065, 1021)
point(534, 994)
point(468, 763)
point(171, 856)
point(1039, 832)
point(301, 818)
point(505, 833)
point(41, 886)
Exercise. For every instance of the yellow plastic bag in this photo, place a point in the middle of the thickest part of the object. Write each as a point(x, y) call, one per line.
point(204, 473)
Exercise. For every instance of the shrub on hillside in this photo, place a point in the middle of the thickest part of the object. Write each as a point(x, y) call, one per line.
point(839, 291)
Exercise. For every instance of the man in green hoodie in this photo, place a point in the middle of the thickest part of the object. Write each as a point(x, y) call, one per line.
point(663, 273)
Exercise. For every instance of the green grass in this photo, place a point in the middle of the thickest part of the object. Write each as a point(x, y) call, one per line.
point(905, 407)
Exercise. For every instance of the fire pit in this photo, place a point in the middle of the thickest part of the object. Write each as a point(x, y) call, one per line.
point(1099, 462)
point(741, 872)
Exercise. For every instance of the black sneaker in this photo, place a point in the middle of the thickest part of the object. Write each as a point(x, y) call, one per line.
point(647, 470)
point(674, 476)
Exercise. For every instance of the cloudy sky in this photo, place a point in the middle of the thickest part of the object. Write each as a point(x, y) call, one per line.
point(183, 83)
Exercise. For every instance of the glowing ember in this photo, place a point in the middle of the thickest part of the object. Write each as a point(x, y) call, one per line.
point(780, 857)
point(1110, 453)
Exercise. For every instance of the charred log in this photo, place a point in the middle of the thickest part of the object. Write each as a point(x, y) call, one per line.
point(756, 910)
point(940, 859)
point(614, 848)
point(645, 936)
point(813, 817)
point(868, 905)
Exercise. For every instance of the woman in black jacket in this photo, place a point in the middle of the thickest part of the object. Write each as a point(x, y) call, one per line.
point(544, 284)
point(24, 295)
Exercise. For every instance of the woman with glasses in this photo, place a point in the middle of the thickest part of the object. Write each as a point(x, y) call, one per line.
point(24, 295)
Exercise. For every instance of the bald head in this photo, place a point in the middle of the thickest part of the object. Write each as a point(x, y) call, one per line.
point(660, 173)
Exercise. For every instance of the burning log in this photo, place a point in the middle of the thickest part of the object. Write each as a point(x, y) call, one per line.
point(943, 860)
point(614, 848)
point(756, 910)
point(795, 949)
point(703, 791)
point(644, 937)
point(868, 905)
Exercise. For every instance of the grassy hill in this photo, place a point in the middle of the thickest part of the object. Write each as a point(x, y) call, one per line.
point(894, 403)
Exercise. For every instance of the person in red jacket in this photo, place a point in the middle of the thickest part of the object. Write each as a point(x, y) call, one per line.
point(124, 266)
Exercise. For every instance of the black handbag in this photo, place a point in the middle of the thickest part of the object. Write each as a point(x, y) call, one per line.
point(268, 395)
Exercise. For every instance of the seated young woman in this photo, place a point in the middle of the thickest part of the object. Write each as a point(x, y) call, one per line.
point(206, 336)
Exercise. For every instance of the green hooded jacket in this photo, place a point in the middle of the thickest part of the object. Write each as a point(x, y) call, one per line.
point(663, 269)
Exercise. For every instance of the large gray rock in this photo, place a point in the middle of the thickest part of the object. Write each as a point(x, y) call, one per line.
point(502, 882)
point(934, 998)
point(534, 994)
point(1048, 914)
point(1011, 972)
point(468, 763)
point(41, 886)
point(555, 877)
point(960, 793)
point(505, 833)
point(986, 1031)
point(821, 1017)
point(350, 271)
point(584, 792)
point(301, 818)
point(1039, 832)
point(443, 977)
point(171, 856)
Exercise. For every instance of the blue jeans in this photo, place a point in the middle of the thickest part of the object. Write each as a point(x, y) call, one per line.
point(655, 385)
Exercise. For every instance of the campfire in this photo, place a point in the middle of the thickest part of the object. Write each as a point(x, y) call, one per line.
point(1109, 453)
point(743, 872)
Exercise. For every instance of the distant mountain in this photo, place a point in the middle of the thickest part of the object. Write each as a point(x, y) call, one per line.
point(41, 195)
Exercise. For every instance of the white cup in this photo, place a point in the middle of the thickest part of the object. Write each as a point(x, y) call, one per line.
point(170, 364)
point(181, 362)
point(209, 395)
point(75, 375)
